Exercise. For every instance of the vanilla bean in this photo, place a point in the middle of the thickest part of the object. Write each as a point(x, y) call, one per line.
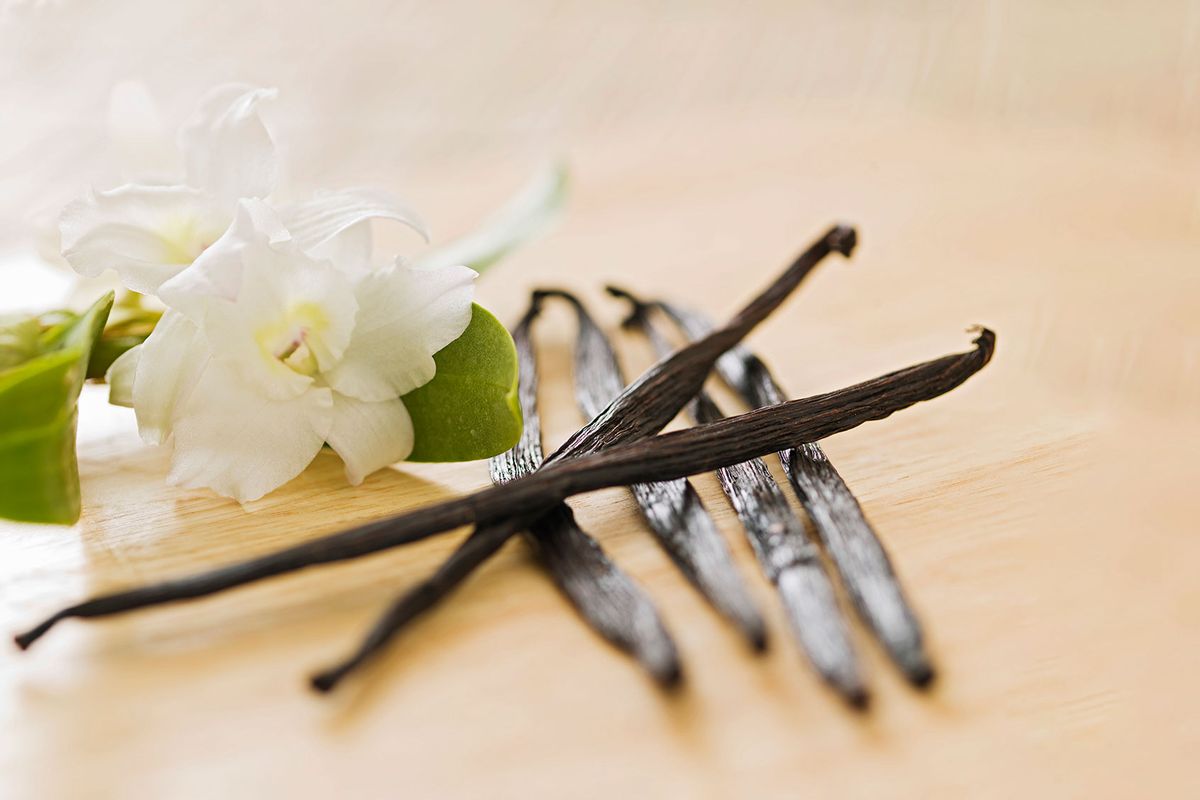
point(664, 457)
point(604, 595)
point(611, 602)
point(852, 544)
point(672, 509)
point(789, 558)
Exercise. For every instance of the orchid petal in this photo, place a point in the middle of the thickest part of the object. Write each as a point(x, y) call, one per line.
point(404, 317)
point(334, 225)
point(226, 146)
point(369, 436)
point(169, 363)
point(147, 234)
point(260, 301)
point(217, 272)
point(121, 375)
point(349, 251)
point(242, 444)
point(286, 302)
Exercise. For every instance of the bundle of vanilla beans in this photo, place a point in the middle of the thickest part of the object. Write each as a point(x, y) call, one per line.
point(622, 446)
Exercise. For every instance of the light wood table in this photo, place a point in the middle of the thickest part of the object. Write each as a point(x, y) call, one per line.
point(1029, 168)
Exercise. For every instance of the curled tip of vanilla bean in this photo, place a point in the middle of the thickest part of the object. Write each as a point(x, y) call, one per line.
point(985, 340)
point(842, 239)
point(638, 308)
point(538, 296)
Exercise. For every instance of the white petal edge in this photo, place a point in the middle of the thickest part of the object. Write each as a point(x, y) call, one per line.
point(121, 375)
point(349, 251)
point(369, 436)
point(333, 225)
point(404, 317)
point(241, 443)
point(226, 147)
point(148, 234)
point(169, 363)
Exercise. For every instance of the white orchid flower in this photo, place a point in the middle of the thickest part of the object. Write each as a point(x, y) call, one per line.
point(150, 232)
point(267, 352)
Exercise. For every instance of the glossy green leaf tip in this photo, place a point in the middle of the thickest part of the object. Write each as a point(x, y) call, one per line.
point(469, 410)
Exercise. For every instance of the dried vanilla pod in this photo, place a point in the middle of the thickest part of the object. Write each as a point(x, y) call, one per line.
point(672, 509)
point(851, 542)
point(789, 558)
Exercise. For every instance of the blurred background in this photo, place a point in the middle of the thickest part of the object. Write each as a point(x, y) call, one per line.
point(1025, 164)
point(394, 92)
point(999, 107)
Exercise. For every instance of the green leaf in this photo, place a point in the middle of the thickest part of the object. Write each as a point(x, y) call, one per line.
point(469, 410)
point(39, 476)
point(530, 212)
point(107, 350)
point(19, 340)
point(129, 325)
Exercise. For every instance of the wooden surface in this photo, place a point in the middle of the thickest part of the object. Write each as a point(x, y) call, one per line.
point(1031, 168)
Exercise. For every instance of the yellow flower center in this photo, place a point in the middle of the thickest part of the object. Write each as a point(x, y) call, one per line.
point(184, 239)
point(294, 340)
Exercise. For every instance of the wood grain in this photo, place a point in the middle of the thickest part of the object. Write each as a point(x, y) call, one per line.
point(1026, 167)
